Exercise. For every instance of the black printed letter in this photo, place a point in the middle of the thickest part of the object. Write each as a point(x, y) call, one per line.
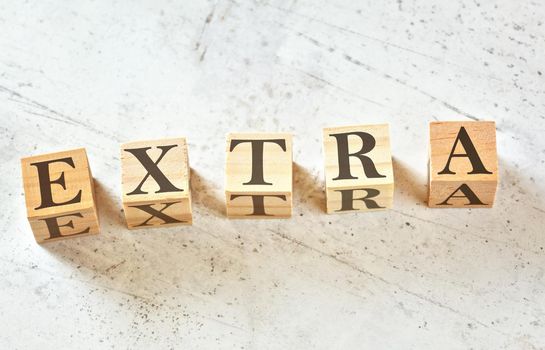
point(156, 214)
point(55, 229)
point(142, 155)
point(468, 193)
point(343, 154)
point(258, 202)
point(471, 153)
point(347, 198)
point(46, 182)
point(257, 158)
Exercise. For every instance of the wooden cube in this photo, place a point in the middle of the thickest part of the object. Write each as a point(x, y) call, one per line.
point(155, 183)
point(259, 175)
point(463, 167)
point(59, 195)
point(358, 168)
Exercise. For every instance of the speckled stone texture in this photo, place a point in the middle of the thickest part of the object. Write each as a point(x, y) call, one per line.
point(95, 74)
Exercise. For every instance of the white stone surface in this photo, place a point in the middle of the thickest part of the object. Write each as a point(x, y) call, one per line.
point(94, 74)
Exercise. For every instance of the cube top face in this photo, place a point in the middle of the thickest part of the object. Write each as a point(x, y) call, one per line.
point(260, 163)
point(463, 151)
point(66, 186)
point(372, 141)
point(153, 171)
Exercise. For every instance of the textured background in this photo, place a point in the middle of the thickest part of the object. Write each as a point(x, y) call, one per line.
point(94, 74)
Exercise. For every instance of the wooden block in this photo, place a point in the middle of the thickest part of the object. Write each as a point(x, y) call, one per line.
point(358, 168)
point(59, 195)
point(463, 167)
point(259, 175)
point(155, 183)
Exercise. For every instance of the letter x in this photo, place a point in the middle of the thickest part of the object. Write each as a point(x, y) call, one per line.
point(156, 213)
point(153, 170)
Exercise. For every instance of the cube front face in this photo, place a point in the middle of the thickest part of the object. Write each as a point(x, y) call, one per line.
point(358, 168)
point(259, 173)
point(463, 167)
point(155, 183)
point(59, 195)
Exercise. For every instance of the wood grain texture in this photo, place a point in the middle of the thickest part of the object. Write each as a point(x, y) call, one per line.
point(140, 188)
point(274, 180)
point(378, 151)
point(445, 145)
point(69, 178)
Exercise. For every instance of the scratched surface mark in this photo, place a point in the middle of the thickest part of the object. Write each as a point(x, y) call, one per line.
point(95, 74)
